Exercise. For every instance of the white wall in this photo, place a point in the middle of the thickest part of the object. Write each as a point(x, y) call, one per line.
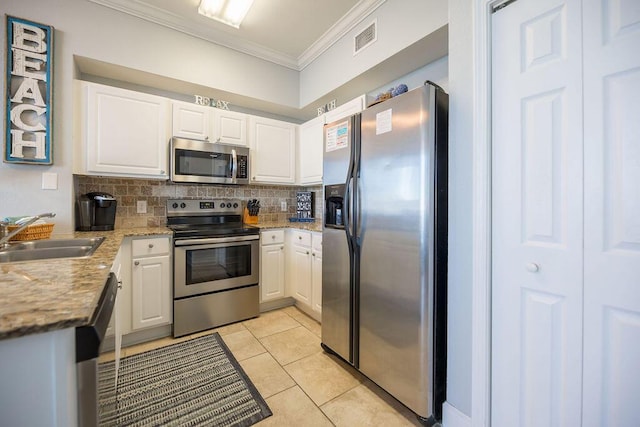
point(437, 72)
point(460, 205)
point(400, 24)
point(85, 29)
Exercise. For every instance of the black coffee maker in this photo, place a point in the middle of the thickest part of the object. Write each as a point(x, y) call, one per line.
point(96, 212)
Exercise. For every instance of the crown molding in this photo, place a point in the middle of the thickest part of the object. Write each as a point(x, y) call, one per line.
point(349, 21)
point(143, 10)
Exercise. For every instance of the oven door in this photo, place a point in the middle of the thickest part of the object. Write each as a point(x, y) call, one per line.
point(208, 265)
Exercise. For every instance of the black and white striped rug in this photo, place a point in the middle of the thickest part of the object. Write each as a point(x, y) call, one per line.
point(193, 383)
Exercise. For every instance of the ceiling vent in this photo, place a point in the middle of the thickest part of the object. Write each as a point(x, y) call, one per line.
point(365, 38)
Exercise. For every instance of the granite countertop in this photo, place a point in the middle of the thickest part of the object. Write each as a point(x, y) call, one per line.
point(311, 226)
point(42, 296)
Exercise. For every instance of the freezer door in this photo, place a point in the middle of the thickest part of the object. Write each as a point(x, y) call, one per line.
point(396, 287)
point(337, 255)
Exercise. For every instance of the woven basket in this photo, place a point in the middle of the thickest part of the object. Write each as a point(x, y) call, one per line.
point(32, 232)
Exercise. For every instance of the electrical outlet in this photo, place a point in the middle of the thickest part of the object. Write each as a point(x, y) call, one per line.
point(142, 206)
point(283, 206)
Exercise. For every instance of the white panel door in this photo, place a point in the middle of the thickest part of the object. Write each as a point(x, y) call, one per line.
point(301, 273)
point(230, 127)
point(310, 151)
point(612, 213)
point(272, 272)
point(191, 120)
point(127, 133)
point(273, 151)
point(151, 292)
point(537, 214)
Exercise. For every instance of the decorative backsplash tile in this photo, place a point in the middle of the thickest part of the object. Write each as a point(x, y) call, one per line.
point(129, 191)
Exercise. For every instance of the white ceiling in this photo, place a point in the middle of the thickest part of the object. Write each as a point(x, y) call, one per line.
point(288, 32)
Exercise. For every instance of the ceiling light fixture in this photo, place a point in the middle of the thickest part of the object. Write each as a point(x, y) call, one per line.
point(230, 12)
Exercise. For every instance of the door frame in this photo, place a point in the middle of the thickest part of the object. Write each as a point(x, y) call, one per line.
point(481, 212)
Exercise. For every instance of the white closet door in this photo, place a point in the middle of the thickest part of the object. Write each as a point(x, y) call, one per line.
point(537, 214)
point(612, 213)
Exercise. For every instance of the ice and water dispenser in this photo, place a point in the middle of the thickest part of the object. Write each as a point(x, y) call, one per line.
point(334, 205)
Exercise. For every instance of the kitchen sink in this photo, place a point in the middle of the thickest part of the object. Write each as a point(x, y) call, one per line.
point(36, 250)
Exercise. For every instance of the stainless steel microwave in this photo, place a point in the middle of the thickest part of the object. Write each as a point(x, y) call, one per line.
point(208, 162)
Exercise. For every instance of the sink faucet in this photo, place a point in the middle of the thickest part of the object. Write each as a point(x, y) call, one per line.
point(4, 241)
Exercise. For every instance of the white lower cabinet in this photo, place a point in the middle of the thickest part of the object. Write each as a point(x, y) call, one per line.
point(151, 302)
point(305, 268)
point(316, 272)
point(272, 262)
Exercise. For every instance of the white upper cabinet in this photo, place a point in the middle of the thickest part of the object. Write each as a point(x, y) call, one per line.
point(310, 151)
point(124, 133)
point(229, 127)
point(354, 106)
point(273, 151)
point(191, 120)
point(209, 124)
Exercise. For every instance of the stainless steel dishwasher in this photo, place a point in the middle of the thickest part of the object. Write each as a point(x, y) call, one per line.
point(88, 341)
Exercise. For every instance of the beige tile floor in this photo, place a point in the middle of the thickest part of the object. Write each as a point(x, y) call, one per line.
point(304, 386)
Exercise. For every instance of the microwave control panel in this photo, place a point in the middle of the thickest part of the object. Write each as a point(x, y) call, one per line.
point(242, 167)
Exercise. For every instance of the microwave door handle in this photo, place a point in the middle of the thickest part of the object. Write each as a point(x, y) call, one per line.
point(234, 166)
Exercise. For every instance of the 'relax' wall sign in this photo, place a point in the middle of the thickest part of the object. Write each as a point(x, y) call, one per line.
point(28, 93)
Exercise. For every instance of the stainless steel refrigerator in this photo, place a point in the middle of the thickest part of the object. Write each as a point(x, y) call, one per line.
point(384, 267)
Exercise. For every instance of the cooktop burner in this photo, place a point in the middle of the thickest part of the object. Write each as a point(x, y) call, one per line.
point(207, 218)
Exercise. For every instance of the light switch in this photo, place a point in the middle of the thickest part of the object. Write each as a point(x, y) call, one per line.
point(142, 206)
point(49, 181)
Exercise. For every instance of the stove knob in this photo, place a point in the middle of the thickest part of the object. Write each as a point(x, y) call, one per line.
point(174, 206)
point(183, 205)
point(235, 205)
point(222, 205)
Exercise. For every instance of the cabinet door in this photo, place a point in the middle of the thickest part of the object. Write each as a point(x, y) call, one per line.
point(230, 127)
point(310, 151)
point(316, 281)
point(191, 120)
point(273, 151)
point(151, 292)
point(301, 273)
point(272, 272)
point(126, 132)
point(345, 110)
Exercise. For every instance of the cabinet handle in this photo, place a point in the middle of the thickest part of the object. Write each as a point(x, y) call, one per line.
point(150, 245)
point(136, 263)
point(299, 237)
point(253, 178)
point(273, 237)
point(119, 284)
point(313, 254)
point(206, 138)
point(307, 252)
point(281, 248)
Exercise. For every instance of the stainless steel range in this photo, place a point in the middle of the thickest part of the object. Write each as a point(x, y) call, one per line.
point(216, 264)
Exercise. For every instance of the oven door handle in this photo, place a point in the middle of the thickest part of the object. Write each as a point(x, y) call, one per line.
point(193, 242)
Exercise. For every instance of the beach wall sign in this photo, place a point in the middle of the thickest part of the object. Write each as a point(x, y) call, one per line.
point(28, 93)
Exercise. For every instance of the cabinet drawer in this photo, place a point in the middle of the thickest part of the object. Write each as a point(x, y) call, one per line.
point(272, 236)
point(316, 241)
point(302, 238)
point(154, 246)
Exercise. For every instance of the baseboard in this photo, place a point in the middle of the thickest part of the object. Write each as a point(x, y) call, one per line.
point(309, 311)
point(276, 304)
point(452, 417)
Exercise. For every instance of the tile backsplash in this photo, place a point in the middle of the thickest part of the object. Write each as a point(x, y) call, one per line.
point(128, 192)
